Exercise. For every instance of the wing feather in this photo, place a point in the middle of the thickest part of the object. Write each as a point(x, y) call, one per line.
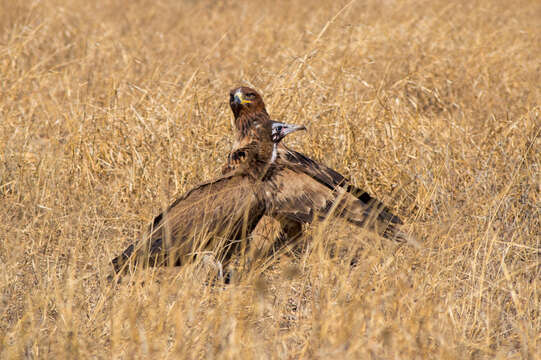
point(206, 216)
point(293, 195)
point(333, 180)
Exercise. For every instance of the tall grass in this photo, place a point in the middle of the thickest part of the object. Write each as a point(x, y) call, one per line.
point(111, 109)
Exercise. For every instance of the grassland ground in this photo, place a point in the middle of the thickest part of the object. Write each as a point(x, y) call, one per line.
point(111, 109)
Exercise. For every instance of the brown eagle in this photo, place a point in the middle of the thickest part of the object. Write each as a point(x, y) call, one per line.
point(214, 215)
point(299, 189)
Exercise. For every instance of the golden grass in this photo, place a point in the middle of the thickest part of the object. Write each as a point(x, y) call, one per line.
point(110, 109)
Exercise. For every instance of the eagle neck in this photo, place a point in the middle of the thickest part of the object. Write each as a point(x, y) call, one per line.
point(244, 122)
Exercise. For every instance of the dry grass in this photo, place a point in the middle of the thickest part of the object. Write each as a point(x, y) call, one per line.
point(110, 109)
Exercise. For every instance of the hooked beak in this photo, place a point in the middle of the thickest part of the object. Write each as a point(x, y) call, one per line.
point(239, 98)
point(281, 130)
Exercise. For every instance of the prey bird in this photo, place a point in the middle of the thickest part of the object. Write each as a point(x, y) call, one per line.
point(214, 215)
point(299, 189)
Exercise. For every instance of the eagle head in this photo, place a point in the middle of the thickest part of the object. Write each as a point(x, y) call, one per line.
point(244, 101)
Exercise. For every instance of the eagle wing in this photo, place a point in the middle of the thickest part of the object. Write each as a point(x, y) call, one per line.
point(208, 216)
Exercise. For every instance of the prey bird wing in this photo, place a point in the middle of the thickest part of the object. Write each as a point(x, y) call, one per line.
point(334, 181)
point(294, 196)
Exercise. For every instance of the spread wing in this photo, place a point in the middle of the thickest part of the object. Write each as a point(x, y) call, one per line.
point(209, 215)
point(334, 181)
point(294, 195)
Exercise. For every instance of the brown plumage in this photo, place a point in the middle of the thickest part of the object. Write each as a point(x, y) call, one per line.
point(215, 215)
point(299, 189)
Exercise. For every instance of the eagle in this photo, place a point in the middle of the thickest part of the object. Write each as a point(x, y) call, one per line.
point(300, 189)
point(215, 215)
